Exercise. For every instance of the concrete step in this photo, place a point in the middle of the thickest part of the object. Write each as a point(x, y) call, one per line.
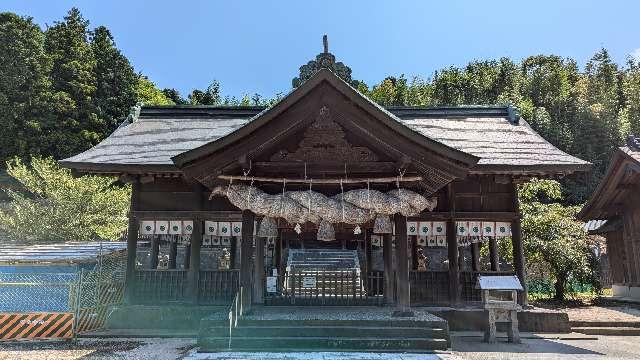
point(326, 331)
point(247, 321)
point(615, 331)
point(604, 323)
point(324, 343)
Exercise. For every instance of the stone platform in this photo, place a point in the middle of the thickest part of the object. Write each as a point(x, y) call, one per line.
point(280, 328)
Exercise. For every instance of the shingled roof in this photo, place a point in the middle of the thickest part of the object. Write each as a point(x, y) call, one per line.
point(503, 141)
point(613, 189)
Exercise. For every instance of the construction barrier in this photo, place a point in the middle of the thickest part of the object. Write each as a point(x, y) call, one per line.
point(36, 325)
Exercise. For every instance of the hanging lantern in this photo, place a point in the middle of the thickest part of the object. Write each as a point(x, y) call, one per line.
point(297, 228)
point(326, 232)
point(268, 228)
point(357, 230)
point(382, 225)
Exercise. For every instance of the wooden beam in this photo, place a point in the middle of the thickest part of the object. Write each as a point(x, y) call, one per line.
point(321, 181)
point(188, 215)
point(465, 215)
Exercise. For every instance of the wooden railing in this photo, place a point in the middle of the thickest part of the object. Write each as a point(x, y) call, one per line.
point(160, 286)
point(429, 287)
point(326, 288)
point(215, 287)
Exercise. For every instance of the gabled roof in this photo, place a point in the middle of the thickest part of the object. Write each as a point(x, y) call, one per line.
point(490, 135)
point(325, 76)
point(612, 189)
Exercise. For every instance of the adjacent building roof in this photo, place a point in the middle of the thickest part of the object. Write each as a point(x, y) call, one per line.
point(620, 181)
point(67, 253)
point(502, 141)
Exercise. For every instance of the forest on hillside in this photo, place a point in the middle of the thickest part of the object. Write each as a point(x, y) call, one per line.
point(66, 87)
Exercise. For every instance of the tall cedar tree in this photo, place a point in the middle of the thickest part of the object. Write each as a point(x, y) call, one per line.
point(77, 126)
point(24, 86)
point(115, 82)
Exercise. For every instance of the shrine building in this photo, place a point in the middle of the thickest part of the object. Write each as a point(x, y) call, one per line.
point(323, 199)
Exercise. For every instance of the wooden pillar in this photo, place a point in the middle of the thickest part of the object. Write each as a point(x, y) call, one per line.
point(475, 256)
point(187, 256)
point(454, 268)
point(155, 251)
point(233, 247)
point(402, 264)
point(258, 271)
point(173, 253)
point(414, 252)
point(518, 248)
point(193, 276)
point(389, 273)
point(246, 249)
point(277, 253)
point(132, 243)
point(494, 255)
point(452, 247)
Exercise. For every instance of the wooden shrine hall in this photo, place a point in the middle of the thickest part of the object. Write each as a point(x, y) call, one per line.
point(324, 198)
point(616, 201)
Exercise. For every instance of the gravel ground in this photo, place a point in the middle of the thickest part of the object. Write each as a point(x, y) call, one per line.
point(98, 349)
point(334, 313)
point(598, 313)
point(464, 348)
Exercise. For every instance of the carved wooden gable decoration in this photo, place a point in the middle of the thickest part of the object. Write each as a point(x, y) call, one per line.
point(325, 141)
point(326, 127)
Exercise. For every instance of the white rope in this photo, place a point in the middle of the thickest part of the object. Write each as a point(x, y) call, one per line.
point(249, 192)
point(229, 187)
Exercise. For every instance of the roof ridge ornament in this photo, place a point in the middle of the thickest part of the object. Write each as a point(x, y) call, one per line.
point(633, 142)
point(324, 60)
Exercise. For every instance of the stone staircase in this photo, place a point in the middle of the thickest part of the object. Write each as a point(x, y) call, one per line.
point(327, 329)
point(603, 327)
point(336, 273)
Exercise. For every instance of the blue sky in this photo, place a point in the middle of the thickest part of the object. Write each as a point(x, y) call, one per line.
point(258, 46)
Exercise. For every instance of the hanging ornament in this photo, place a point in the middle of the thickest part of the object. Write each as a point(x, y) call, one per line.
point(382, 225)
point(268, 228)
point(357, 230)
point(297, 228)
point(326, 232)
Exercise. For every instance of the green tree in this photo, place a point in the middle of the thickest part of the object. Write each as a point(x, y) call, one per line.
point(115, 82)
point(148, 93)
point(210, 96)
point(24, 86)
point(174, 96)
point(55, 206)
point(552, 237)
point(76, 126)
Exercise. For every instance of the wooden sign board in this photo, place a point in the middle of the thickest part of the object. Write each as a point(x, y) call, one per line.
point(309, 282)
point(272, 284)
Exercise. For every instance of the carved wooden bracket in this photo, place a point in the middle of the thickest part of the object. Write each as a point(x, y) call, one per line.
point(325, 141)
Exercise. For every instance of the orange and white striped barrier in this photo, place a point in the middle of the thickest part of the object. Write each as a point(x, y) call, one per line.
point(36, 325)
